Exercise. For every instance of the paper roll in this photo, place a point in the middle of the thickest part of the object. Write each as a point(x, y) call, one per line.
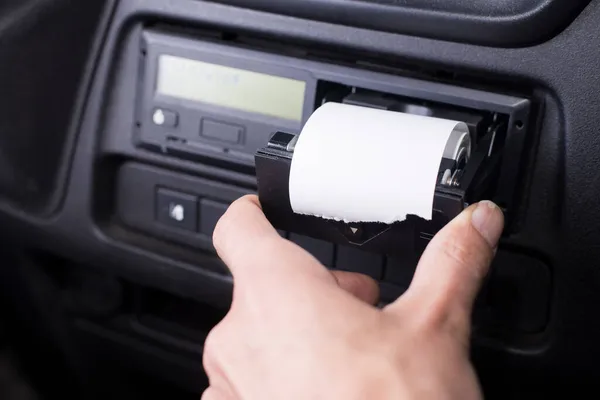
point(358, 164)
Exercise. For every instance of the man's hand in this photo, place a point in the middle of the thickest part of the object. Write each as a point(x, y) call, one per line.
point(297, 331)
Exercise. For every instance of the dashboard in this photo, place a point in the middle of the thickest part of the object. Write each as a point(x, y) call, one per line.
point(127, 131)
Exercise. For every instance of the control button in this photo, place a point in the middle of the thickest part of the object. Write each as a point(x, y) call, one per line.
point(210, 213)
point(178, 210)
point(321, 250)
point(221, 131)
point(162, 117)
point(283, 141)
point(400, 270)
point(355, 260)
point(355, 232)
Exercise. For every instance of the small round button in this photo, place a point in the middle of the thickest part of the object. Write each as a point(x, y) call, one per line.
point(158, 117)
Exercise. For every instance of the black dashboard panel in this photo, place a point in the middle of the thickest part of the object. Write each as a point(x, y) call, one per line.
point(557, 239)
point(486, 22)
point(40, 81)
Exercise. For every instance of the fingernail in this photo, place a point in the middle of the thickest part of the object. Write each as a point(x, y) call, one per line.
point(488, 220)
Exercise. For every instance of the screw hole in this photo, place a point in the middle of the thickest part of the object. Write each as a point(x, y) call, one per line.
point(143, 52)
point(519, 124)
point(138, 124)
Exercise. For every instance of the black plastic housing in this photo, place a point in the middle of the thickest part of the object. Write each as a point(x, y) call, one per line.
point(46, 57)
point(402, 239)
point(486, 22)
point(550, 265)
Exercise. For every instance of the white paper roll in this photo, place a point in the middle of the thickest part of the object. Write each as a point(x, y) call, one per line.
point(358, 164)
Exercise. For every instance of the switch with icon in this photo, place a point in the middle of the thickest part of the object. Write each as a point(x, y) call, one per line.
point(166, 118)
point(177, 210)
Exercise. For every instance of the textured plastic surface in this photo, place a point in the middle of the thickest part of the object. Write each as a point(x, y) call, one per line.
point(323, 251)
point(349, 259)
point(559, 202)
point(518, 294)
point(44, 48)
point(250, 129)
point(136, 206)
point(488, 22)
point(318, 76)
point(562, 178)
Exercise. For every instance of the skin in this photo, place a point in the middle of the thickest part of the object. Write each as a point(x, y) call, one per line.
point(298, 331)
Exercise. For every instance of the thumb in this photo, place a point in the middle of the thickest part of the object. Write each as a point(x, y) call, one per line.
point(454, 265)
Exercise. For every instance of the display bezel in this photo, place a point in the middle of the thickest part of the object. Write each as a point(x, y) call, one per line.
point(277, 67)
point(236, 88)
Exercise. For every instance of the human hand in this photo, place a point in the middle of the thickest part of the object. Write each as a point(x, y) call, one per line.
point(298, 331)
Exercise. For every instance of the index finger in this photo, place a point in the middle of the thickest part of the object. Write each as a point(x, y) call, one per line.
point(251, 247)
point(257, 254)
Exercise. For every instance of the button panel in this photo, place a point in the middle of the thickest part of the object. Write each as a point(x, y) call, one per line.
point(516, 297)
point(210, 214)
point(177, 210)
point(166, 118)
point(221, 131)
point(355, 260)
point(321, 250)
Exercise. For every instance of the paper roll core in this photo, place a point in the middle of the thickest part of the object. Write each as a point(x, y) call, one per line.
point(357, 164)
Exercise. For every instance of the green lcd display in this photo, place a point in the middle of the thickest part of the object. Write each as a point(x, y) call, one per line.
point(229, 87)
